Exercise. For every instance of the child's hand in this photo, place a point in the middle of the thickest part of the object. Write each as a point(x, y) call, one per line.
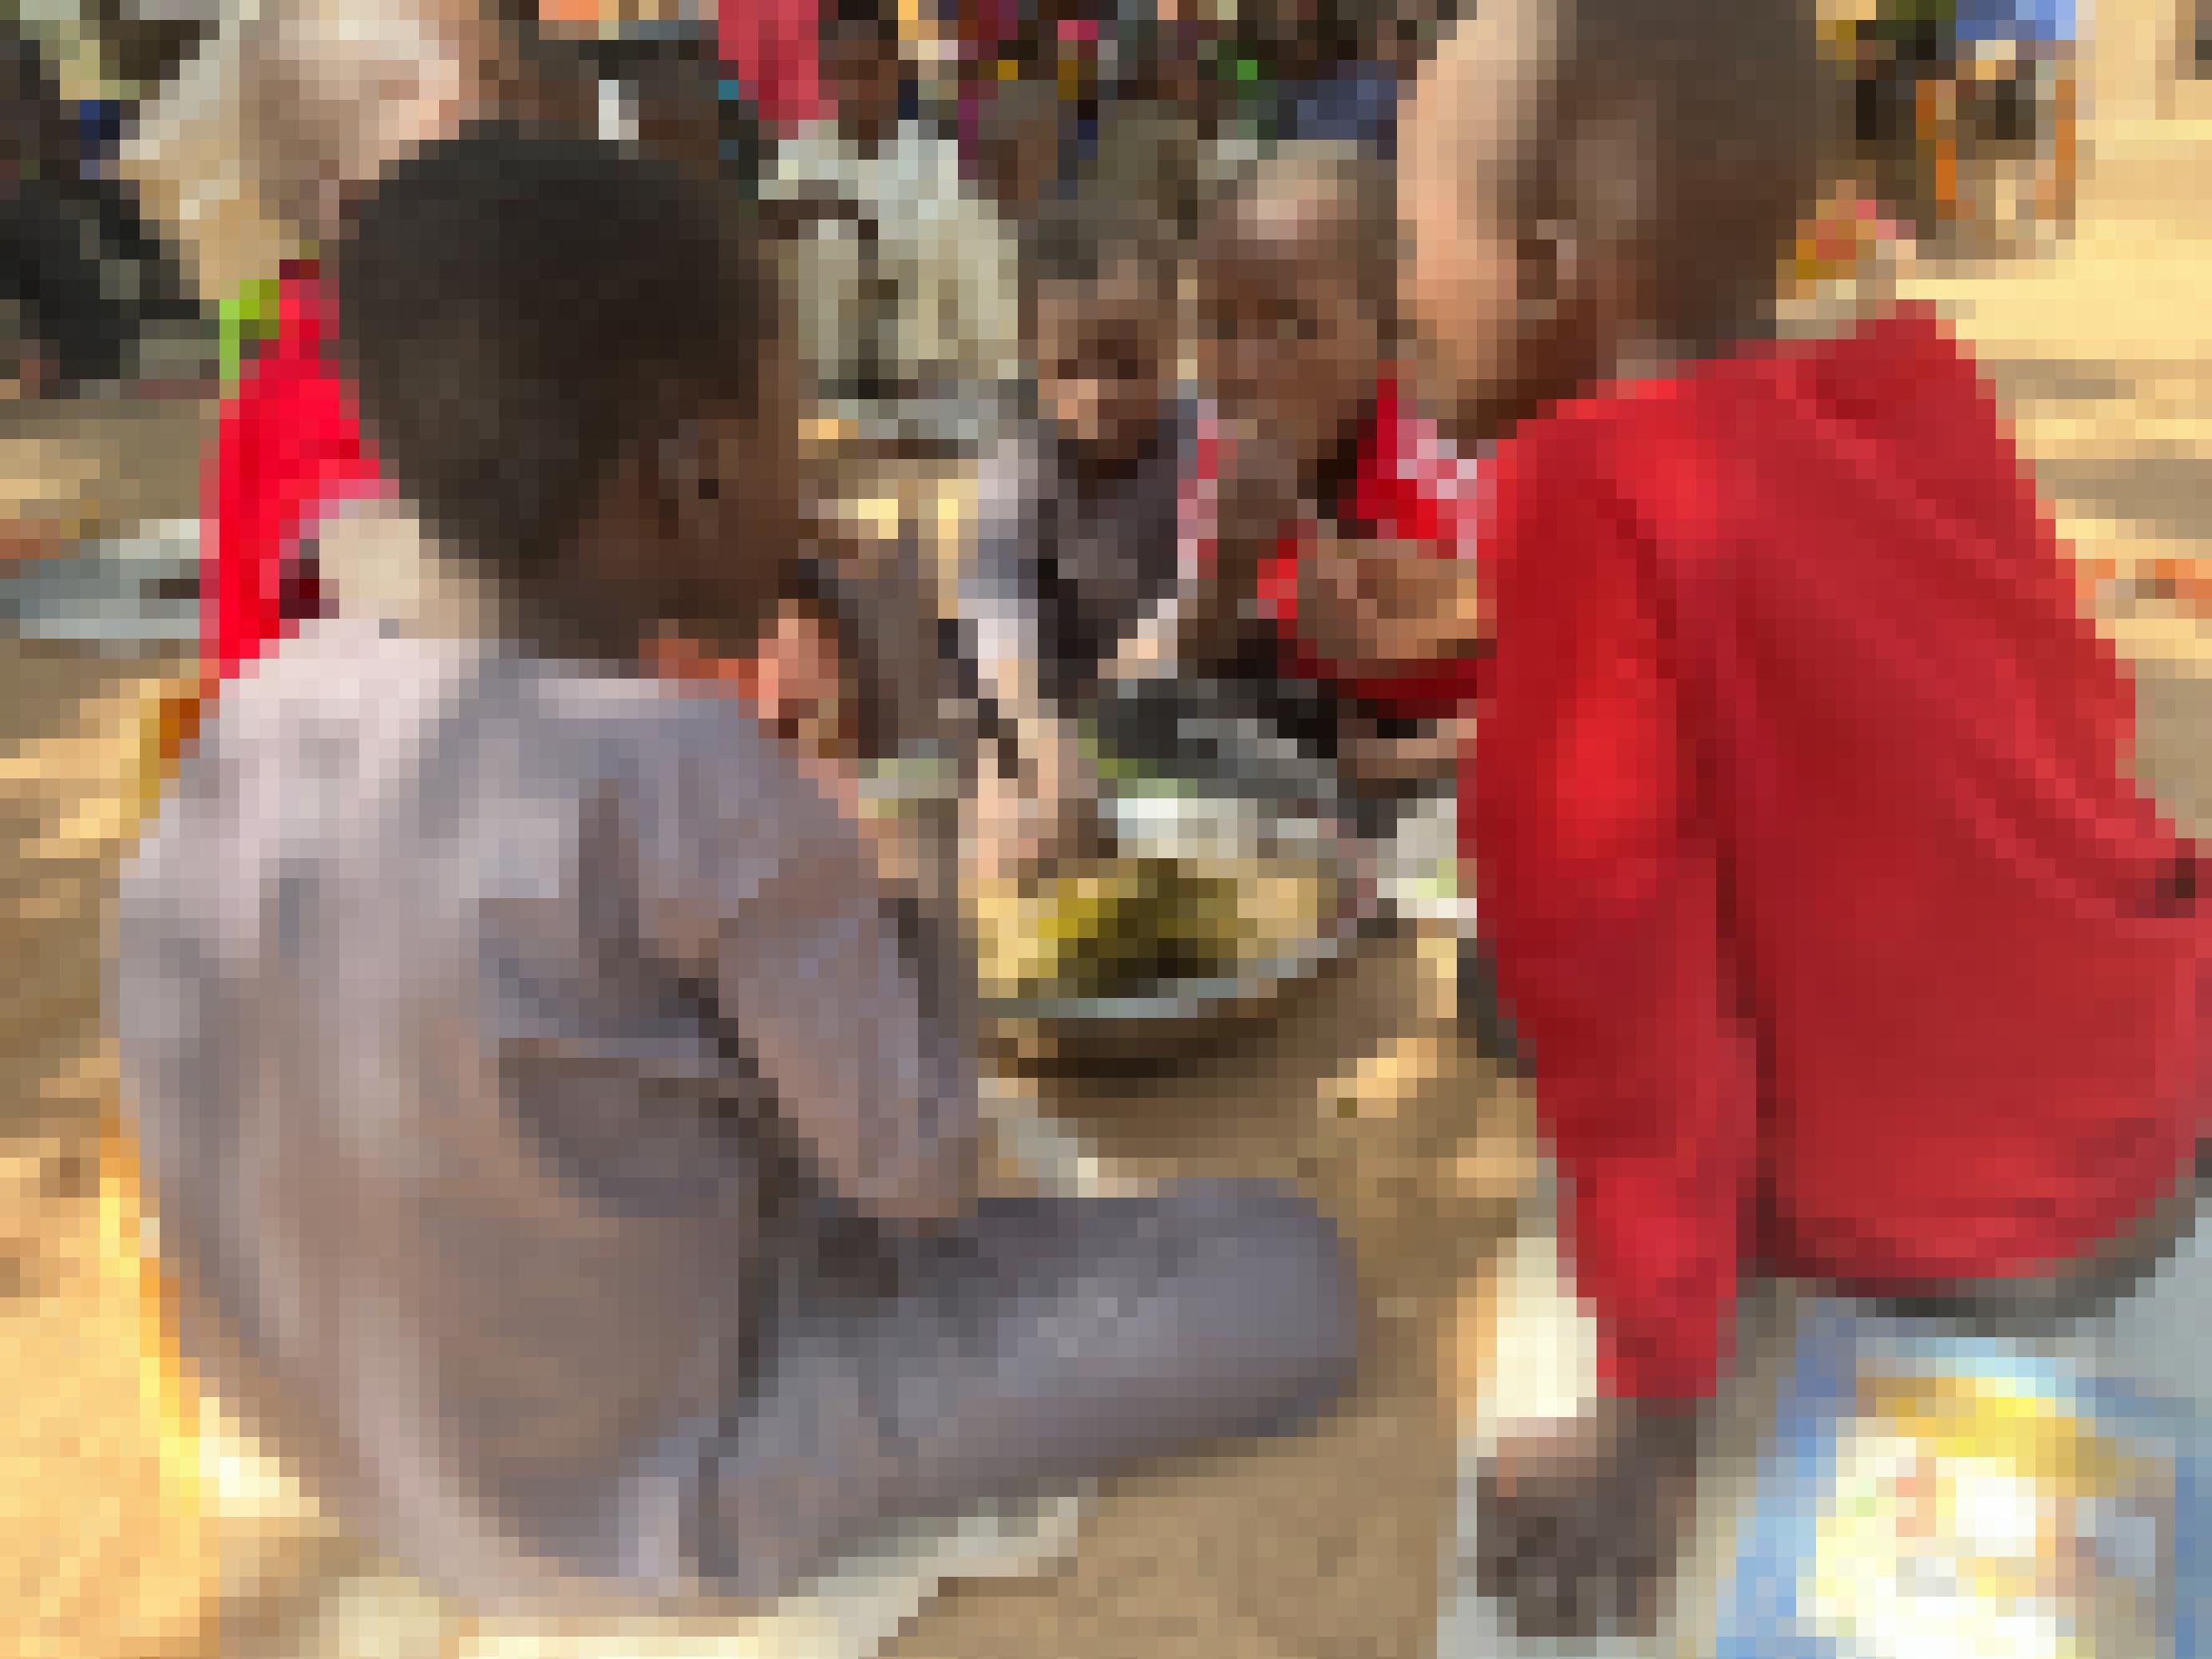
point(1049, 813)
point(1381, 605)
point(1258, 499)
point(1254, 506)
point(1380, 763)
point(1578, 1526)
point(793, 677)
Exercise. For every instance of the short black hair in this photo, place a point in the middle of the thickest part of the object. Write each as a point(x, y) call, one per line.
point(1079, 238)
point(1349, 189)
point(517, 310)
point(1734, 109)
point(876, 20)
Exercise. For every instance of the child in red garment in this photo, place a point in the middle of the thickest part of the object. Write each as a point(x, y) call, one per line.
point(335, 94)
point(1845, 945)
point(1318, 462)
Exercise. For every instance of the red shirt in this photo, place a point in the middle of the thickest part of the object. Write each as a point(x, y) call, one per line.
point(288, 443)
point(1407, 485)
point(773, 47)
point(1803, 829)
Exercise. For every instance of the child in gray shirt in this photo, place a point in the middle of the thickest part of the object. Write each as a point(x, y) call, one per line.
point(564, 1160)
point(1076, 566)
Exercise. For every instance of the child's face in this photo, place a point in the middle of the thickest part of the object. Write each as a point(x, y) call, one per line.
point(341, 90)
point(1106, 362)
point(1465, 285)
point(1289, 342)
point(730, 515)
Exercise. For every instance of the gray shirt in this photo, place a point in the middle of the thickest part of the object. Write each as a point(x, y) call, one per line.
point(1062, 575)
point(461, 998)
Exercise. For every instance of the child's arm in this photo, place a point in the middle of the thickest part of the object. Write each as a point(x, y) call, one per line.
point(1004, 635)
point(1380, 605)
point(759, 882)
point(1255, 505)
point(1602, 889)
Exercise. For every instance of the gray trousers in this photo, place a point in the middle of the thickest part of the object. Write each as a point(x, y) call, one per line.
point(1041, 1342)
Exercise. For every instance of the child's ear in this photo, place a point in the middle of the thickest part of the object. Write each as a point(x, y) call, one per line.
point(1551, 264)
point(1609, 203)
point(1586, 253)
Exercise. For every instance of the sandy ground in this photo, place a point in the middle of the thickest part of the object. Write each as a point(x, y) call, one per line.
point(1321, 1546)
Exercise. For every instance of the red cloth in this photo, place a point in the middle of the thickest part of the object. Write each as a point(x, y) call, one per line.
point(774, 48)
point(1803, 832)
point(1407, 485)
point(287, 444)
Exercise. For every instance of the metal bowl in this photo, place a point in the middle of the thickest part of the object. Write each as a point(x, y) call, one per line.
point(1191, 772)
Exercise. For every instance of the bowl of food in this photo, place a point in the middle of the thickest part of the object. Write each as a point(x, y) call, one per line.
point(1232, 875)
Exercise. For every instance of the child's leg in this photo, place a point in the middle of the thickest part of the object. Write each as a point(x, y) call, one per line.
point(1044, 1342)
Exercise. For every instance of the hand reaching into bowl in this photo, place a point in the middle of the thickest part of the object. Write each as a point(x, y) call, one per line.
point(1046, 812)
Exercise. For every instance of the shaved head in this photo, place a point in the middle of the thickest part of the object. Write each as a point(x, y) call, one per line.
point(1316, 201)
point(1672, 143)
point(336, 90)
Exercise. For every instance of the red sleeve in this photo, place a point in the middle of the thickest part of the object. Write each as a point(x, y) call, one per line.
point(1602, 891)
point(286, 441)
point(238, 611)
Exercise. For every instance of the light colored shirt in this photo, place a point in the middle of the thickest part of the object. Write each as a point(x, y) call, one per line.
point(461, 996)
point(940, 245)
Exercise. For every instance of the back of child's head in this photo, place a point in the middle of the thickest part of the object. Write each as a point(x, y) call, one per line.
point(1673, 145)
point(529, 320)
point(1725, 118)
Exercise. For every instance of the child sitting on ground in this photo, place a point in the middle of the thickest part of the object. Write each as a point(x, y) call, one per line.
point(560, 1156)
point(1846, 947)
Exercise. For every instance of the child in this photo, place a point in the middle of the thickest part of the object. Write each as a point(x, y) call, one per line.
point(1079, 512)
point(558, 1156)
point(1844, 943)
point(82, 281)
point(916, 305)
point(1325, 466)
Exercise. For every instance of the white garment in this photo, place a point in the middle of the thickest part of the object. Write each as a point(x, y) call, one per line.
point(940, 244)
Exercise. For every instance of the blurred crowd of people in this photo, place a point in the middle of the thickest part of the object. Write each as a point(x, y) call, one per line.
point(916, 140)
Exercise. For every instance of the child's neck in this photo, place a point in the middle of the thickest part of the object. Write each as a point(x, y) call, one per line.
point(1653, 359)
point(1095, 469)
